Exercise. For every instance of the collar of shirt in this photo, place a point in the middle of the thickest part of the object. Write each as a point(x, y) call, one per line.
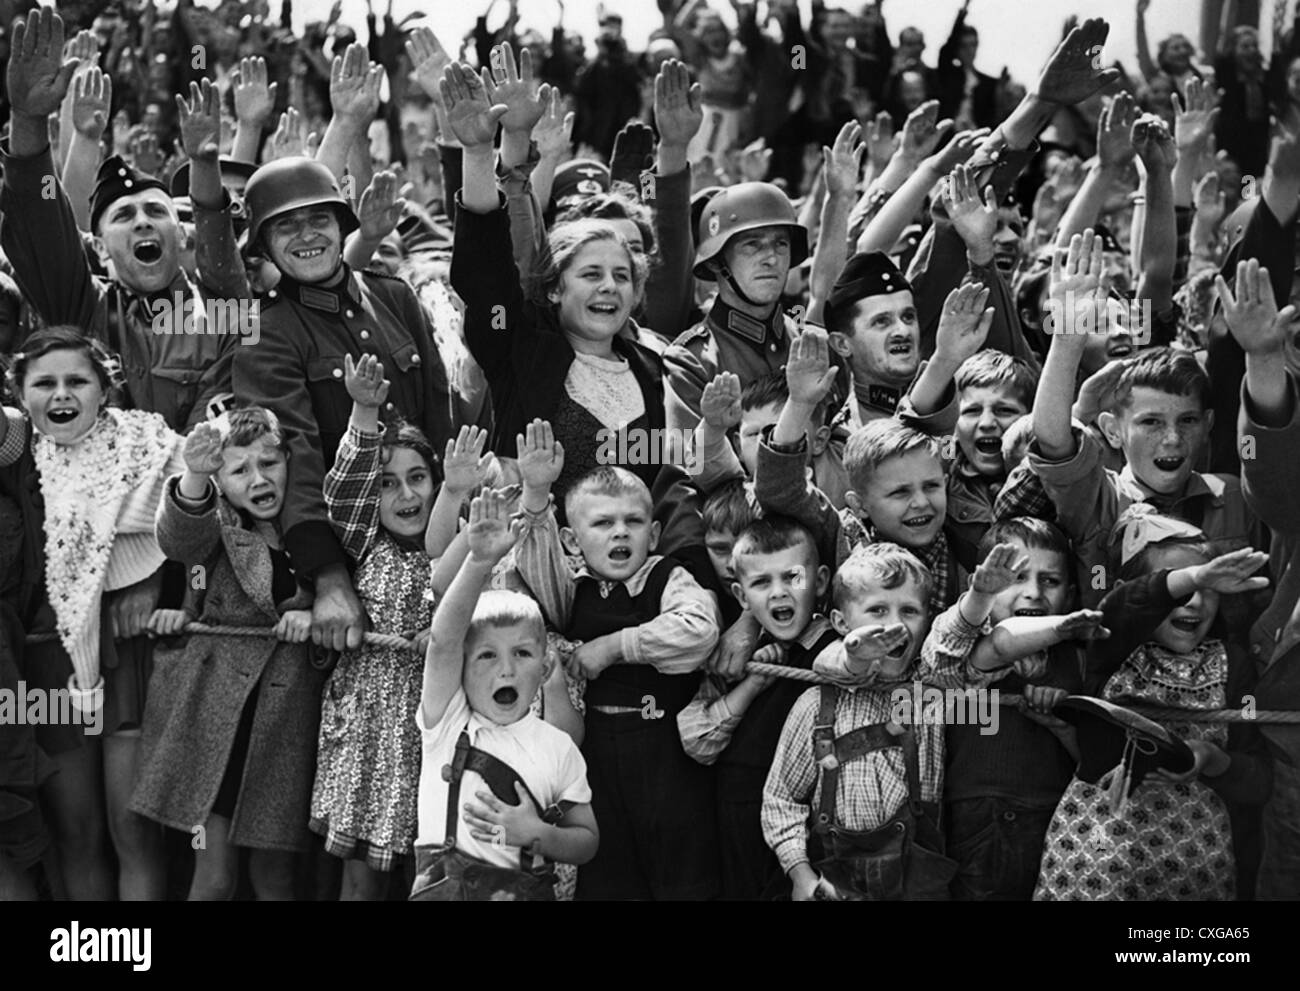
point(147, 303)
point(335, 299)
point(881, 401)
point(477, 724)
point(1198, 487)
point(757, 332)
point(817, 626)
point(635, 585)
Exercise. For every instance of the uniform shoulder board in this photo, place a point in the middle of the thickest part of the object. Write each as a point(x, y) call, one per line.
point(698, 332)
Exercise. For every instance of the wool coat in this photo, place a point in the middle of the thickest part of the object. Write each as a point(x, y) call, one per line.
point(199, 691)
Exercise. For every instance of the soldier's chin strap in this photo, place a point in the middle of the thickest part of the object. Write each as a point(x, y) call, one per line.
point(735, 287)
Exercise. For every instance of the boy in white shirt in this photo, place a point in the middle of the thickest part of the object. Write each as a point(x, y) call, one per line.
point(499, 788)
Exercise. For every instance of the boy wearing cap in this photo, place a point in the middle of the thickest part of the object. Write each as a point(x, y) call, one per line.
point(176, 375)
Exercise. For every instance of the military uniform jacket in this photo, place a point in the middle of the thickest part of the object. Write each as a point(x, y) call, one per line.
point(174, 374)
point(296, 369)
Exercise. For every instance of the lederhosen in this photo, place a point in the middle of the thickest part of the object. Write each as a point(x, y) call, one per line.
point(446, 874)
point(749, 867)
point(654, 804)
point(899, 860)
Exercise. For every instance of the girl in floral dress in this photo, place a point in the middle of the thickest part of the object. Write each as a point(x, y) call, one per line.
point(1169, 838)
point(379, 493)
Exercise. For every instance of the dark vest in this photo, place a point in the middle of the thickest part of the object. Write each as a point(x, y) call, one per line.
point(596, 615)
point(744, 764)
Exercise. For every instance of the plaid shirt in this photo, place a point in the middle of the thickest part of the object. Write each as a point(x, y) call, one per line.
point(1023, 494)
point(872, 788)
point(352, 492)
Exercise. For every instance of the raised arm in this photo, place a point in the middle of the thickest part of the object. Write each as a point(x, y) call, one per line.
point(1073, 304)
point(1114, 153)
point(841, 166)
point(1149, 69)
point(354, 99)
point(254, 105)
point(92, 96)
point(1155, 148)
point(473, 119)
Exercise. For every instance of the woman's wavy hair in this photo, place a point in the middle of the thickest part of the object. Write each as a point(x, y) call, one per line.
point(64, 337)
point(562, 247)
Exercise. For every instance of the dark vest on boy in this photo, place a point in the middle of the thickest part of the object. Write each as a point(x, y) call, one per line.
point(744, 764)
point(598, 612)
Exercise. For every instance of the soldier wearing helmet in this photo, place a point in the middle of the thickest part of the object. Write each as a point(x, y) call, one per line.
point(749, 238)
point(319, 311)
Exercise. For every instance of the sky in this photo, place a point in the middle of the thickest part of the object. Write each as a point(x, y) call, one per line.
point(1019, 34)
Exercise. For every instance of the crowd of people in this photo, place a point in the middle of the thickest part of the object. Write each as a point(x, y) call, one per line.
point(527, 475)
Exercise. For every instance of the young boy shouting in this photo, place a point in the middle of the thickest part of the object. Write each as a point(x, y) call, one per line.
point(498, 787)
point(646, 629)
point(1161, 420)
point(778, 580)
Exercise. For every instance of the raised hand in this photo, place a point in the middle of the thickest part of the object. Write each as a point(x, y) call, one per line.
point(491, 533)
point(1074, 286)
point(808, 370)
point(541, 456)
point(380, 208)
point(958, 150)
point(880, 141)
point(92, 95)
point(678, 113)
point(84, 47)
point(1231, 573)
point(872, 645)
point(1154, 144)
point(202, 451)
point(365, 381)
point(1251, 313)
point(634, 148)
point(755, 159)
point(254, 98)
point(1209, 199)
point(470, 114)
point(1000, 570)
point(290, 137)
point(554, 131)
point(974, 217)
point(1070, 75)
point(38, 76)
point(922, 132)
point(513, 85)
point(464, 465)
point(1097, 391)
point(429, 58)
point(720, 402)
point(1084, 624)
point(1194, 116)
point(843, 160)
point(354, 85)
point(200, 120)
point(1114, 132)
point(964, 323)
point(145, 153)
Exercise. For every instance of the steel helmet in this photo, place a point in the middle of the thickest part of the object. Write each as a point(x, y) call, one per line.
point(746, 207)
point(289, 183)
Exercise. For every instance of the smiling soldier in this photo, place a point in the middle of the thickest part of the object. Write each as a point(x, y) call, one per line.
point(320, 311)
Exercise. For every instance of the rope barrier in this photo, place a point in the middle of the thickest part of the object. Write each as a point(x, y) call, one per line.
point(1282, 716)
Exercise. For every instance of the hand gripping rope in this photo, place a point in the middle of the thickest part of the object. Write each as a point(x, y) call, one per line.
point(781, 671)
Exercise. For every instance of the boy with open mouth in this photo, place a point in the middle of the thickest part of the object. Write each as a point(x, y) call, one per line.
point(1160, 416)
point(499, 788)
point(735, 727)
point(646, 628)
point(975, 395)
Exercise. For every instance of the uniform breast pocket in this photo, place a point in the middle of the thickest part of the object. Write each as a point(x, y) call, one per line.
point(175, 388)
point(329, 397)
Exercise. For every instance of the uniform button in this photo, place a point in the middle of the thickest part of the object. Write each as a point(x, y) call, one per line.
point(349, 314)
point(772, 347)
point(365, 335)
point(388, 406)
point(272, 294)
point(338, 373)
point(1009, 816)
point(963, 514)
point(415, 359)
